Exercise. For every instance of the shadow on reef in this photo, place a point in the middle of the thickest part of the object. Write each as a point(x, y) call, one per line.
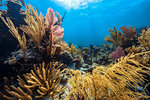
point(44, 66)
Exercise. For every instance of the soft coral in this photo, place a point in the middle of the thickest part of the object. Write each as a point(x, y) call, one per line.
point(55, 31)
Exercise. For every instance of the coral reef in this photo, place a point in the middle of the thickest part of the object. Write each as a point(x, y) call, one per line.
point(42, 82)
point(121, 39)
point(133, 49)
point(43, 38)
point(115, 38)
point(98, 54)
point(144, 39)
point(117, 71)
point(115, 82)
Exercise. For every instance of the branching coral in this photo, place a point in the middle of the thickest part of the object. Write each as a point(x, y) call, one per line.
point(72, 49)
point(46, 78)
point(115, 37)
point(35, 28)
point(76, 53)
point(133, 49)
point(15, 93)
point(144, 39)
point(42, 82)
point(117, 82)
point(14, 31)
point(121, 39)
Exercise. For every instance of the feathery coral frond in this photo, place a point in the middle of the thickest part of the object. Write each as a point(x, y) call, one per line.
point(113, 83)
point(115, 37)
point(35, 28)
point(55, 31)
point(14, 31)
point(144, 39)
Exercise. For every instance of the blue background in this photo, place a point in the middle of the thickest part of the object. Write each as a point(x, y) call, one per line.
point(90, 25)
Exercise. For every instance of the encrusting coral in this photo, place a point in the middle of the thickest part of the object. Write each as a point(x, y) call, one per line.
point(116, 82)
point(42, 82)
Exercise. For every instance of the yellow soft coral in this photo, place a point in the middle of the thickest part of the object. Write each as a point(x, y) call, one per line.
point(115, 37)
point(46, 79)
point(43, 82)
point(35, 27)
point(14, 31)
point(144, 39)
point(110, 83)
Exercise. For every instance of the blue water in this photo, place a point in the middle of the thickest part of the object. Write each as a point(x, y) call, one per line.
point(87, 22)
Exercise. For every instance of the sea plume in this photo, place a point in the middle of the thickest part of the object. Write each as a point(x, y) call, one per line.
point(14, 31)
point(115, 82)
point(35, 28)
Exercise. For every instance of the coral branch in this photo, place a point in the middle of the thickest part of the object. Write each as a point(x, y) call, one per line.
point(45, 79)
point(55, 31)
point(116, 82)
point(35, 28)
point(115, 37)
point(15, 33)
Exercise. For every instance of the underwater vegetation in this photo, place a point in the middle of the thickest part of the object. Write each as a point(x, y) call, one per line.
point(115, 82)
point(46, 67)
point(45, 80)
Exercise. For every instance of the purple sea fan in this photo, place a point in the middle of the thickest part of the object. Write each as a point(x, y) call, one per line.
point(118, 53)
point(129, 32)
point(56, 31)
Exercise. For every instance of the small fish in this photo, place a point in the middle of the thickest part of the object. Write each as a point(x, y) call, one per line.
point(11, 61)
